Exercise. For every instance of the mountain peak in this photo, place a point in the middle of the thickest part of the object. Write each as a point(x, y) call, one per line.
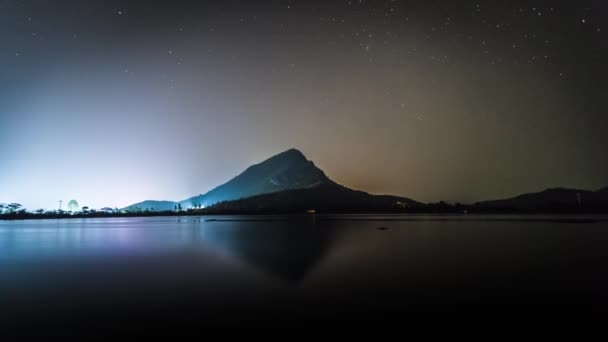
point(292, 153)
point(283, 160)
point(287, 170)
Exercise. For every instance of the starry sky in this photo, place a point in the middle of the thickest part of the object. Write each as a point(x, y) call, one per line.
point(113, 102)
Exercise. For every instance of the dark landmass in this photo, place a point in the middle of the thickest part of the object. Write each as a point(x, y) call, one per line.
point(23, 215)
point(289, 183)
point(336, 199)
point(332, 198)
point(556, 200)
point(284, 171)
point(153, 206)
point(326, 198)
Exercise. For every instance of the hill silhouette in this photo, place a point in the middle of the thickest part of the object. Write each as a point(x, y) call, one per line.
point(551, 200)
point(288, 183)
point(329, 197)
point(284, 171)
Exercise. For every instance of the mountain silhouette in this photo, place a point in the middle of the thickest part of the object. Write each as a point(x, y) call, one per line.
point(290, 183)
point(152, 206)
point(285, 171)
point(280, 174)
point(551, 200)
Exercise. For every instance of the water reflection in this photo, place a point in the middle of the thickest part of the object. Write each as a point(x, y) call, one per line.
point(340, 264)
point(288, 250)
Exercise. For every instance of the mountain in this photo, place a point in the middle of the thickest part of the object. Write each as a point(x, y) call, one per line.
point(551, 200)
point(285, 171)
point(289, 182)
point(152, 206)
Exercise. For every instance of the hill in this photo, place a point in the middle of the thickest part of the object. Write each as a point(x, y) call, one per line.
point(326, 198)
point(551, 200)
point(286, 171)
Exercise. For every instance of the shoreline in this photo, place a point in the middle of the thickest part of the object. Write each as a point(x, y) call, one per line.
point(574, 217)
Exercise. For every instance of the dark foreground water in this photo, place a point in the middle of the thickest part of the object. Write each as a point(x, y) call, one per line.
point(308, 267)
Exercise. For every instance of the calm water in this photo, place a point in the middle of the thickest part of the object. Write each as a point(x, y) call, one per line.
point(305, 267)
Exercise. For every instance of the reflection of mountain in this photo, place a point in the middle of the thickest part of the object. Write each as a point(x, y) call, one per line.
point(287, 249)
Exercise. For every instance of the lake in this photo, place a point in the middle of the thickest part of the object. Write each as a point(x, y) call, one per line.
point(318, 267)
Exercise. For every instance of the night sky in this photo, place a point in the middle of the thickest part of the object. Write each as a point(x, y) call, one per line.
point(114, 102)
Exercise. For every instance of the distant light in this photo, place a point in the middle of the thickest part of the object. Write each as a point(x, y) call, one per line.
point(73, 206)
